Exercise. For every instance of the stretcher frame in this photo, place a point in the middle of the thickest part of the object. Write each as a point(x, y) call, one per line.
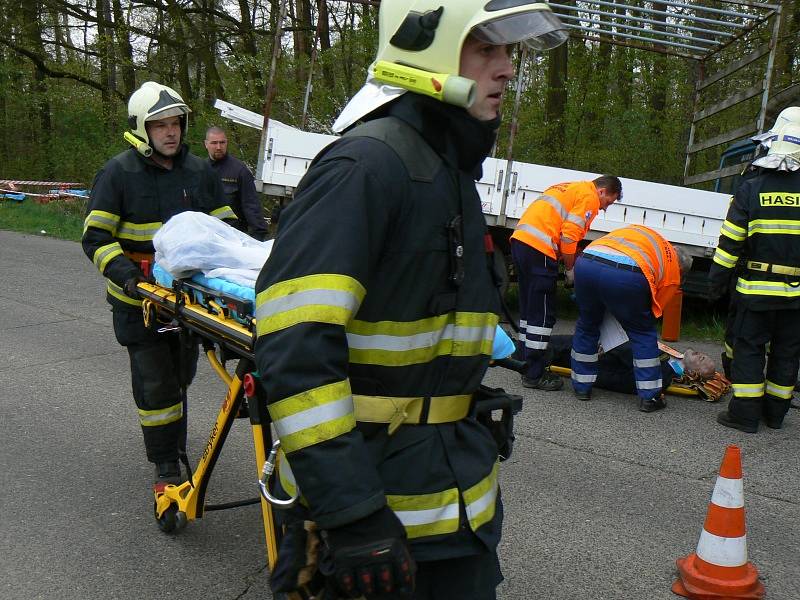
point(222, 323)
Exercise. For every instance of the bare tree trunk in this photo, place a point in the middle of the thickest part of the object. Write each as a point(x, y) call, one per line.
point(250, 46)
point(324, 35)
point(105, 47)
point(125, 50)
point(658, 92)
point(556, 99)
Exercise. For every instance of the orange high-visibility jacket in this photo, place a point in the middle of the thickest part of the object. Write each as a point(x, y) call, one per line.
point(557, 220)
point(654, 255)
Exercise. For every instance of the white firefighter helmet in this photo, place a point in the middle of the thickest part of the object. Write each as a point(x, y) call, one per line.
point(787, 141)
point(427, 35)
point(151, 102)
point(790, 114)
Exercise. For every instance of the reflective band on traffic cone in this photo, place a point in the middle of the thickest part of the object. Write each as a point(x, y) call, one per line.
point(719, 567)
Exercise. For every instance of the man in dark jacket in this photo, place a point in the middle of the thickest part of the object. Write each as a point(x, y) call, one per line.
point(759, 238)
point(376, 310)
point(240, 188)
point(132, 196)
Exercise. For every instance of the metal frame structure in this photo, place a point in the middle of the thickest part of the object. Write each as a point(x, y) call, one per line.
point(697, 31)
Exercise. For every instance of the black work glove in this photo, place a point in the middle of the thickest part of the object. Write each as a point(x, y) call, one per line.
point(130, 286)
point(371, 558)
point(718, 288)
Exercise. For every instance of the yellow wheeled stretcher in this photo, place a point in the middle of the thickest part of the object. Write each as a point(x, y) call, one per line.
point(226, 328)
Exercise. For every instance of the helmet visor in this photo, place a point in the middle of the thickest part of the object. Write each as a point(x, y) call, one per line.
point(539, 30)
point(170, 111)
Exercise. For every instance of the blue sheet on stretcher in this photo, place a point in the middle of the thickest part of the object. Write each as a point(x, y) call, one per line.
point(163, 278)
point(502, 348)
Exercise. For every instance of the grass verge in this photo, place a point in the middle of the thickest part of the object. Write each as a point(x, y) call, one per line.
point(62, 219)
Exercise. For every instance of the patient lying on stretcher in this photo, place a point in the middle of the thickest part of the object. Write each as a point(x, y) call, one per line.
point(691, 369)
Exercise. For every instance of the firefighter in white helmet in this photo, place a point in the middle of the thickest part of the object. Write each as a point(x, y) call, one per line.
point(790, 114)
point(132, 196)
point(758, 250)
point(377, 309)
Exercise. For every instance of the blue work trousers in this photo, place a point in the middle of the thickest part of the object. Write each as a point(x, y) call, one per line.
point(601, 287)
point(537, 274)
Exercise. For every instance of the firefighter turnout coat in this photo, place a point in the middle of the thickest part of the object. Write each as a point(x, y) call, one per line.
point(376, 313)
point(131, 197)
point(559, 218)
point(760, 235)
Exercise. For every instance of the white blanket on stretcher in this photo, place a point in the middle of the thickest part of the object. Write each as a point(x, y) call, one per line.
point(192, 242)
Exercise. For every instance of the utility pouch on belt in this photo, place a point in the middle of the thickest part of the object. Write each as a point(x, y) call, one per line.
point(296, 572)
point(489, 401)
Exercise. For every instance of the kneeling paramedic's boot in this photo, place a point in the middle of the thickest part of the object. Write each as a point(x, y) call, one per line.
point(370, 557)
point(549, 382)
point(168, 472)
point(653, 405)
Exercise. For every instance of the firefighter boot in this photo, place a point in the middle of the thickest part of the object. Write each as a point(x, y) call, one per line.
point(167, 472)
point(773, 410)
point(742, 414)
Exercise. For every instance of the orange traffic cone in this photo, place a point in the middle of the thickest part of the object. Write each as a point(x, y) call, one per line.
point(719, 568)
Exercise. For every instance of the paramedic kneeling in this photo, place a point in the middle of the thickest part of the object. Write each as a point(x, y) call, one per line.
point(377, 310)
point(633, 273)
point(132, 196)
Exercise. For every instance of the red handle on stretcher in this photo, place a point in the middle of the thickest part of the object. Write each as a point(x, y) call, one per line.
point(144, 265)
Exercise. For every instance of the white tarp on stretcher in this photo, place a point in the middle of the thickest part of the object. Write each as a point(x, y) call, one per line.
point(192, 242)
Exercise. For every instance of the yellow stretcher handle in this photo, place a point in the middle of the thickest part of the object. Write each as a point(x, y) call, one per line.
point(674, 390)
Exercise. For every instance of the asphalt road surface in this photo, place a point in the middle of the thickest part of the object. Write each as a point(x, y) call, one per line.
point(600, 499)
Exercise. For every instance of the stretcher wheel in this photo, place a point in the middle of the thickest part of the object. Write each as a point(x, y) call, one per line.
point(169, 519)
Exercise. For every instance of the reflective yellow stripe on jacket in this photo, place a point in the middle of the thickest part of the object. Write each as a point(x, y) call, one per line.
point(394, 344)
point(101, 219)
point(773, 226)
point(323, 298)
point(313, 416)
point(427, 514)
point(137, 232)
point(733, 231)
point(223, 212)
point(114, 290)
point(725, 259)
point(481, 500)
point(767, 288)
point(105, 254)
